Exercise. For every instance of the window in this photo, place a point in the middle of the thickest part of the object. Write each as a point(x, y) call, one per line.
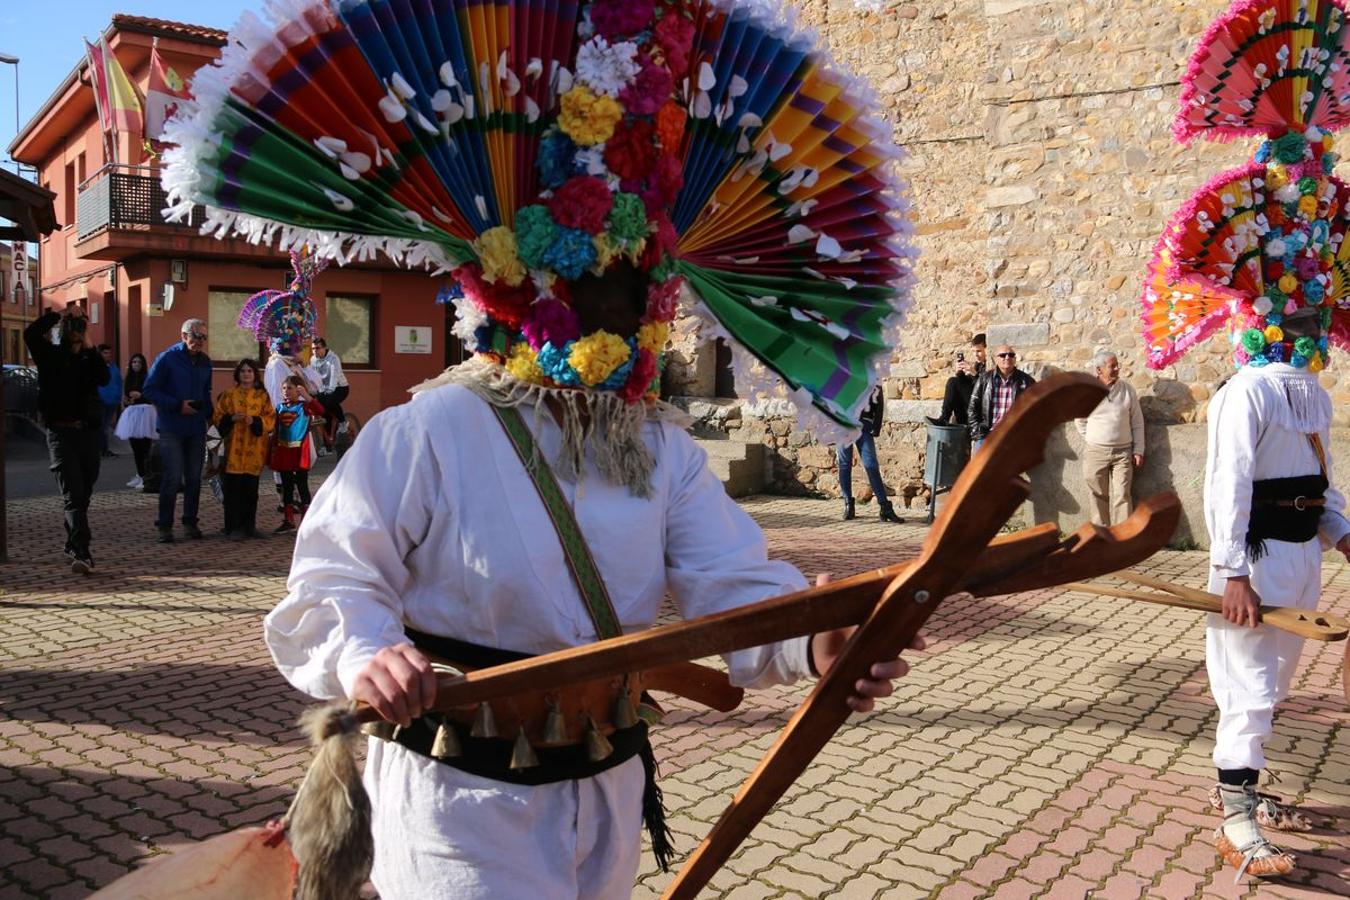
point(46, 186)
point(350, 330)
point(79, 168)
point(228, 342)
point(69, 199)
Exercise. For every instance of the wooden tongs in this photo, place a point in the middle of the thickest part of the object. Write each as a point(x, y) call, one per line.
point(963, 552)
point(1306, 623)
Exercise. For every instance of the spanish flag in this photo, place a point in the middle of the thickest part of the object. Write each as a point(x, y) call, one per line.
point(118, 106)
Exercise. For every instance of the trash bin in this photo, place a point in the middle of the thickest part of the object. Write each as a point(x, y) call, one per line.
point(946, 454)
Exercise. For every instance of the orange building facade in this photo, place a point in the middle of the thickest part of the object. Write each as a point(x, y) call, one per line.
point(139, 278)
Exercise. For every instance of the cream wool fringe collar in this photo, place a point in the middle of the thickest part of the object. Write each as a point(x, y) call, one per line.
point(598, 424)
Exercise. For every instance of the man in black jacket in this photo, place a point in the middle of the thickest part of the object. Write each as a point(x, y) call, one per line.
point(871, 419)
point(69, 376)
point(956, 396)
point(995, 392)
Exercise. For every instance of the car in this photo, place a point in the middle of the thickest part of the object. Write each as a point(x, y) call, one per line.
point(21, 391)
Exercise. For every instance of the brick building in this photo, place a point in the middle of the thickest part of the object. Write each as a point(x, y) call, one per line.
point(140, 277)
point(18, 304)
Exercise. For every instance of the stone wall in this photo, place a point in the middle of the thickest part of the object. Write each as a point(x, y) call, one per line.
point(1042, 169)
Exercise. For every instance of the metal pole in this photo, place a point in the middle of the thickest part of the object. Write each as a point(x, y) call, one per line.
point(17, 247)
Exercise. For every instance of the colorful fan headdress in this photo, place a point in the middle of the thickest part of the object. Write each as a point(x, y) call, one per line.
point(522, 144)
point(285, 320)
point(1265, 242)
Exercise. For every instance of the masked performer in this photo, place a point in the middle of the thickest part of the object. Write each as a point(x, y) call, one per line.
point(577, 180)
point(1261, 248)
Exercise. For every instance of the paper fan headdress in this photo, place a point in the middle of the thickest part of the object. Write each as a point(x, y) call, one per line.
point(1265, 242)
point(285, 320)
point(523, 144)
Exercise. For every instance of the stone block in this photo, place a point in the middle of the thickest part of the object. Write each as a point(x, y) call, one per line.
point(912, 411)
point(1019, 335)
point(1011, 195)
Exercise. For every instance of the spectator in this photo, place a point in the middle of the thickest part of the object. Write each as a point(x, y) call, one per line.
point(995, 392)
point(69, 377)
point(245, 418)
point(110, 395)
point(333, 389)
point(137, 424)
point(283, 362)
point(956, 397)
point(867, 451)
point(1113, 437)
point(179, 384)
point(292, 455)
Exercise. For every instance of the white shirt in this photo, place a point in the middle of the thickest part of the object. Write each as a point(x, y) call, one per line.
point(1258, 427)
point(431, 520)
point(329, 370)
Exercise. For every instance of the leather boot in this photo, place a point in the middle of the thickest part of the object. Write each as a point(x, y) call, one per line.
point(888, 514)
point(848, 509)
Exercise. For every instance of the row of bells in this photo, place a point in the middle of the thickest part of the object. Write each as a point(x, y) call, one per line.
point(447, 746)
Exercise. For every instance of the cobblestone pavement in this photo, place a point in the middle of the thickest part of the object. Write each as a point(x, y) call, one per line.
point(1049, 744)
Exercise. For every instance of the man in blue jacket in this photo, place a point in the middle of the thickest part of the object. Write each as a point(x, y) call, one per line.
point(110, 395)
point(179, 384)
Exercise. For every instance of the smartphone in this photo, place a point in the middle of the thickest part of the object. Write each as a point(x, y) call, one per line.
point(960, 356)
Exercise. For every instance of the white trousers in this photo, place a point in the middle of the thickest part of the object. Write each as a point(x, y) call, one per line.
point(443, 833)
point(1250, 669)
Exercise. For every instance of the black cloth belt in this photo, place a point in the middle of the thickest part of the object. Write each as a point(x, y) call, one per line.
point(1285, 509)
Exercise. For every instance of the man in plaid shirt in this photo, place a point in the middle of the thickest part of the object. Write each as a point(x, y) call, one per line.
point(995, 392)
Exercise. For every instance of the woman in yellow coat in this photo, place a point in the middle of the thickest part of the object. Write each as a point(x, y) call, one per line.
point(244, 416)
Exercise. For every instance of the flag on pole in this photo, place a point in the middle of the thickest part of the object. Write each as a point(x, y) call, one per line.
point(162, 95)
point(118, 106)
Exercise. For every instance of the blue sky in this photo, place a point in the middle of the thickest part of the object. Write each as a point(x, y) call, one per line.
point(45, 35)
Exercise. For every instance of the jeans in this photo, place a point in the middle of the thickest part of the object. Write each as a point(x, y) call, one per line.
point(105, 434)
point(867, 450)
point(182, 456)
point(332, 409)
point(74, 457)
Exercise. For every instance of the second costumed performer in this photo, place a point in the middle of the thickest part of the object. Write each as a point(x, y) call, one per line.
point(1261, 251)
point(579, 181)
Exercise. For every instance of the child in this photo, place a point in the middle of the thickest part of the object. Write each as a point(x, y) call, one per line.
point(291, 457)
point(244, 417)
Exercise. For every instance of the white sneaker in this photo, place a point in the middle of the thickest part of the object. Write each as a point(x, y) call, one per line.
point(136, 483)
point(342, 428)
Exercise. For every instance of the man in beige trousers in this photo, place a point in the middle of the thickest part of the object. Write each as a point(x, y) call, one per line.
point(1114, 443)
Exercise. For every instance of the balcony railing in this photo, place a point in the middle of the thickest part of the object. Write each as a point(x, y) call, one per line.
point(121, 196)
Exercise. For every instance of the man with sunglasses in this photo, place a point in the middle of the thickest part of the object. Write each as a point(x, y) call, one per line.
point(179, 384)
point(995, 392)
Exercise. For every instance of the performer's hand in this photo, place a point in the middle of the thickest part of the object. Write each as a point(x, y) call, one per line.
point(826, 646)
point(398, 682)
point(187, 408)
point(1139, 460)
point(1343, 545)
point(1241, 603)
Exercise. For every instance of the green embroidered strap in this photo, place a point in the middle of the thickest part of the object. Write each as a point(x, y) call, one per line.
point(575, 550)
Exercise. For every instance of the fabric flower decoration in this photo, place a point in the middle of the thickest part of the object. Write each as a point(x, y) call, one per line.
point(586, 118)
point(1288, 283)
point(670, 122)
point(640, 378)
point(597, 355)
point(620, 18)
point(606, 68)
point(570, 254)
point(1313, 292)
point(553, 363)
point(652, 336)
point(1307, 206)
point(1253, 341)
point(556, 151)
point(1289, 148)
point(496, 249)
point(674, 34)
point(1262, 305)
point(535, 231)
point(628, 218)
point(649, 91)
point(1315, 363)
point(631, 153)
point(1273, 334)
point(1306, 346)
point(1298, 361)
point(550, 321)
point(502, 302)
point(523, 363)
point(583, 203)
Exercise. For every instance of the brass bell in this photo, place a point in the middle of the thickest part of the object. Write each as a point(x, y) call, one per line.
point(385, 731)
point(625, 716)
point(446, 745)
point(484, 723)
point(555, 726)
point(598, 747)
point(522, 754)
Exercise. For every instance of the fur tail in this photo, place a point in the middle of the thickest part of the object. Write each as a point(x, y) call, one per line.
point(329, 821)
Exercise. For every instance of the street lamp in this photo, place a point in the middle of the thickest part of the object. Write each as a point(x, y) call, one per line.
point(14, 61)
